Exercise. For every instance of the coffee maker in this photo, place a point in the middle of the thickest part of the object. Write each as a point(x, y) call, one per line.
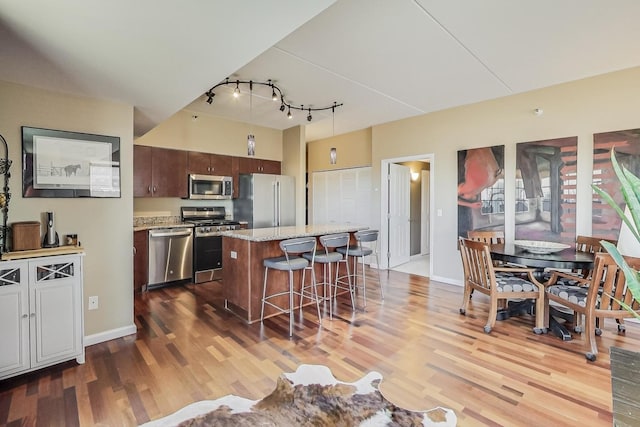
point(50, 236)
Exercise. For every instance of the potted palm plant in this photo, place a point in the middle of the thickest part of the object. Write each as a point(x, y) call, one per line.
point(625, 364)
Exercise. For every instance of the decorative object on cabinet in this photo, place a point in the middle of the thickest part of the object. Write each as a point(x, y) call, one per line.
point(26, 235)
point(5, 195)
point(69, 164)
point(41, 302)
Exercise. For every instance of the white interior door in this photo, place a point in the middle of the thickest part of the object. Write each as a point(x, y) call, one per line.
point(398, 214)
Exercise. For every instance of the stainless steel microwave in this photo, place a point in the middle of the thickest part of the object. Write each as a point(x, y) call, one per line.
point(203, 187)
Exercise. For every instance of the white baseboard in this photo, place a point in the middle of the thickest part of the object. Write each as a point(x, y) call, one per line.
point(447, 280)
point(109, 335)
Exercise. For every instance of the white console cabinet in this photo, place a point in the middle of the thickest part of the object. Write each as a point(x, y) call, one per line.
point(41, 315)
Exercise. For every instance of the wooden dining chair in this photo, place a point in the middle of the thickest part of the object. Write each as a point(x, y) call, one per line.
point(499, 283)
point(580, 277)
point(598, 300)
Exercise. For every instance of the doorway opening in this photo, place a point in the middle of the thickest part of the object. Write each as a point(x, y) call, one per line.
point(402, 250)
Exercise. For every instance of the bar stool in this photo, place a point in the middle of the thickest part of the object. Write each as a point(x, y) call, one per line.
point(330, 242)
point(291, 261)
point(361, 251)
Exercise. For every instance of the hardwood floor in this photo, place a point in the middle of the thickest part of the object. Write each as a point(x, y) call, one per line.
point(188, 348)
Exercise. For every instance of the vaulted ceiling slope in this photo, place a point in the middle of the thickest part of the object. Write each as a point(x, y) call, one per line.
point(385, 60)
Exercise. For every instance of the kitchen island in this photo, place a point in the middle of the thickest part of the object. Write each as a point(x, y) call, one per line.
point(243, 271)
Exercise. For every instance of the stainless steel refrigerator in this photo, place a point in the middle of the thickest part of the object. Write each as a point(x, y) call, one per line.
point(265, 200)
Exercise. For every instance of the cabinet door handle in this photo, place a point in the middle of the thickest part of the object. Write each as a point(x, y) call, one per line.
point(32, 315)
point(154, 188)
point(24, 316)
point(149, 189)
point(135, 251)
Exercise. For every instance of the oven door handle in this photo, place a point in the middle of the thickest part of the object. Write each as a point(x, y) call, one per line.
point(212, 234)
point(169, 233)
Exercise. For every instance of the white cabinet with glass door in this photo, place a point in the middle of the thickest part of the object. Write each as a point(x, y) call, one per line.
point(41, 313)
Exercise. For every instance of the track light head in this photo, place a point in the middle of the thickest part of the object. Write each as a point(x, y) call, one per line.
point(282, 107)
point(236, 91)
point(210, 96)
point(274, 96)
point(309, 118)
point(289, 115)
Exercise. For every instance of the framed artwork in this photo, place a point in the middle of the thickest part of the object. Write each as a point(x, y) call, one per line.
point(545, 193)
point(605, 222)
point(58, 163)
point(480, 189)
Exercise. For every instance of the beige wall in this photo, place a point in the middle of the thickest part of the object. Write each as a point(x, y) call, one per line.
point(294, 164)
point(353, 149)
point(103, 225)
point(213, 135)
point(582, 108)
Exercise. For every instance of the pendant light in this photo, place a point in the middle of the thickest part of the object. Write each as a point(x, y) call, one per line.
point(251, 139)
point(333, 154)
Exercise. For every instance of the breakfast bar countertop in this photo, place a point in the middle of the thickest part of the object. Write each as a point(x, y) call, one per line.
point(290, 232)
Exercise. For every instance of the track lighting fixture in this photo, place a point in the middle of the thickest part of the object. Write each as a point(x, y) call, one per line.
point(276, 94)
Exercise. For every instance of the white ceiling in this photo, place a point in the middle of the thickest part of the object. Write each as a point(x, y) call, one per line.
point(384, 59)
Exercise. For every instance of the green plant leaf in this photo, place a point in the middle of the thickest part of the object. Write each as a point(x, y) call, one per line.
point(631, 192)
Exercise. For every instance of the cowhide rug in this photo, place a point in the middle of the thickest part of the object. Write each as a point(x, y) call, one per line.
point(311, 396)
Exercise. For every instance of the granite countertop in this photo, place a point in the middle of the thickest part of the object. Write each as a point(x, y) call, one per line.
point(150, 222)
point(282, 233)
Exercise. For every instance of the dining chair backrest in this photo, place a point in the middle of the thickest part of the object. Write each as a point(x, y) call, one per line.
point(476, 263)
point(608, 286)
point(491, 237)
point(591, 245)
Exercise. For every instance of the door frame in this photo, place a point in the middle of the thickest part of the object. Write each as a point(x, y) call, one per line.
point(384, 203)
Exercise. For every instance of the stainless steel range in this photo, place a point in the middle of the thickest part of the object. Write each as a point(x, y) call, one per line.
point(209, 223)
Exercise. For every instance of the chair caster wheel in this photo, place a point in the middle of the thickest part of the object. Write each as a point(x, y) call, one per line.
point(487, 329)
point(463, 311)
point(577, 329)
point(621, 328)
point(598, 332)
point(590, 357)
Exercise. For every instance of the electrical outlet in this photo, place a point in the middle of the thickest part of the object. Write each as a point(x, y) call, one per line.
point(234, 254)
point(93, 303)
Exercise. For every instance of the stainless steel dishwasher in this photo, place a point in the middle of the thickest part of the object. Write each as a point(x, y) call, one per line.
point(170, 255)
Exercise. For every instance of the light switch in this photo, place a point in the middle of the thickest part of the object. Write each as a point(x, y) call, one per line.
point(439, 212)
point(234, 255)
